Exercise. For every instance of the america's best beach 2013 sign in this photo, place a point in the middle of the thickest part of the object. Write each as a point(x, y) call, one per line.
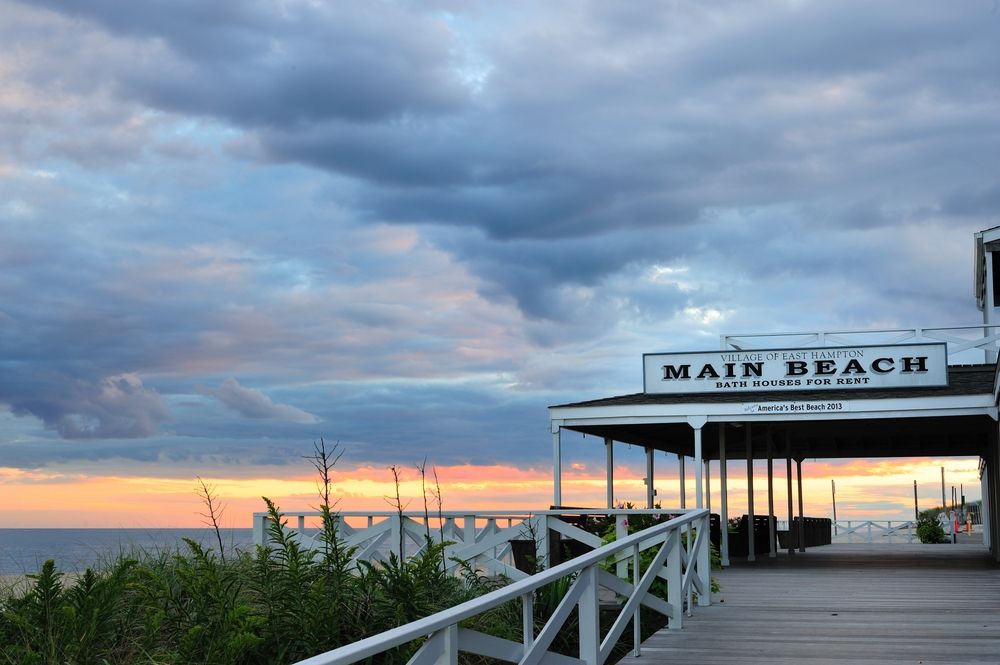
point(820, 368)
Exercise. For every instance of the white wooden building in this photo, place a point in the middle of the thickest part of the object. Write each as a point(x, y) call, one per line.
point(786, 397)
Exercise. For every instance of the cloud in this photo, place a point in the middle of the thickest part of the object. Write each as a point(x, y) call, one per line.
point(116, 407)
point(254, 404)
point(422, 222)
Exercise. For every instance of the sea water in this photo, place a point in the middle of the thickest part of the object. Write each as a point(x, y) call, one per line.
point(23, 551)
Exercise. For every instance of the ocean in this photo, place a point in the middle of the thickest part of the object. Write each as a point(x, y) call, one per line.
point(23, 551)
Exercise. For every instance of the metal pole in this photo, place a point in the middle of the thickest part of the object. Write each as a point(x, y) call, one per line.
point(916, 510)
point(724, 489)
point(650, 492)
point(771, 535)
point(944, 503)
point(833, 490)
point(683, 479)
point(708, 484)
point(802, 520)
point(750, 524)
point(788, 478)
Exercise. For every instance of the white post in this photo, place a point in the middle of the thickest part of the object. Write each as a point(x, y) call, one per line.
point(610, 463)
point(705, 563)
point(621, 568)
point(450, 646)
point(723, 489)
point(469, 529)
point(260, 528)
point(683, 480)
point(702, 560)
point(750, 529)
point(527, 621)
point(650, 492)
point(556, 467)
point(699, 488)
point(802, 521)
point(674, 580)
point(984, 515)
point(771, 535)
point(542, 541)
point(636, 616)
point(589, 615)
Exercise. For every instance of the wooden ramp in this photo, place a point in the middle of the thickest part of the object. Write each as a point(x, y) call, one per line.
point(842, 604)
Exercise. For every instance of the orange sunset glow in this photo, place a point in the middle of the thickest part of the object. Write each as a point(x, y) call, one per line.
point(865, 489)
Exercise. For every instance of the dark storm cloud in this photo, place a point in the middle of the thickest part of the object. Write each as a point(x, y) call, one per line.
point(395, 423)
point(531, 272)
point(281, 63)
point(526, 129)
point(117, 407)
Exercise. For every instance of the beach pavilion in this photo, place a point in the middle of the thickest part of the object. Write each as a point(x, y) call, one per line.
point(825, 394)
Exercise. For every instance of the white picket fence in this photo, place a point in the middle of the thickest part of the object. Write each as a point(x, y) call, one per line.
point(875, 531)
point(683, 562)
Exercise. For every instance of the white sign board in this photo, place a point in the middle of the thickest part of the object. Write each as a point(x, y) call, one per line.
point(819, 368)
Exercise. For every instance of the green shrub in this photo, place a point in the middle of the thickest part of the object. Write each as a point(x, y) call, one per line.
point(929, 530)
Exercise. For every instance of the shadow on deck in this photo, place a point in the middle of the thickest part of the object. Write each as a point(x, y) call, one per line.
point(841, 604)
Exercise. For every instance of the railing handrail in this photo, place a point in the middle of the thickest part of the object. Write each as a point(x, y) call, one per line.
point(863, 521)
point(422, 627)
point(978, 326)
point(988, 341)
point(484, 514)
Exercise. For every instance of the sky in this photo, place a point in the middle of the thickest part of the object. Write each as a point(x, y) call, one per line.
point(228, 229)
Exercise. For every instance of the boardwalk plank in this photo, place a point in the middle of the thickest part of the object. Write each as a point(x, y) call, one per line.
point(840, 604)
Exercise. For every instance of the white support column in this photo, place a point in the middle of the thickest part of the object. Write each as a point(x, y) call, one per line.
point(788, 478)
point(683, 480)
point(556, 467)
point(699, 488)
point(771, 535)
point(610, 462)
point(650, 486)
point(723, 496)
point(750, 529)
point(703, 561)
point(984, 514)
point(802, 521)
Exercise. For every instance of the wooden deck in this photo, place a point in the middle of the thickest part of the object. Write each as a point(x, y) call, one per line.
point(841, 604)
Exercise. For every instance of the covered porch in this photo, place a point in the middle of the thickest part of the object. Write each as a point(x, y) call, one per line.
point(786, 428)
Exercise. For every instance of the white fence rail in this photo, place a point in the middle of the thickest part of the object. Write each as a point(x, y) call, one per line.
point(684, 562)
point(484, 540)
point(970, 341)
point(875, 531)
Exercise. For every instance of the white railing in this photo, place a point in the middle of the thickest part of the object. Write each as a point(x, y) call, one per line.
point(484, 539)
point(685, 565)
point(874, 531)
point(959, 339)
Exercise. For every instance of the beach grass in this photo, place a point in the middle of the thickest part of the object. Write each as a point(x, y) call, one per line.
point(277, 604)
point(274, 604)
